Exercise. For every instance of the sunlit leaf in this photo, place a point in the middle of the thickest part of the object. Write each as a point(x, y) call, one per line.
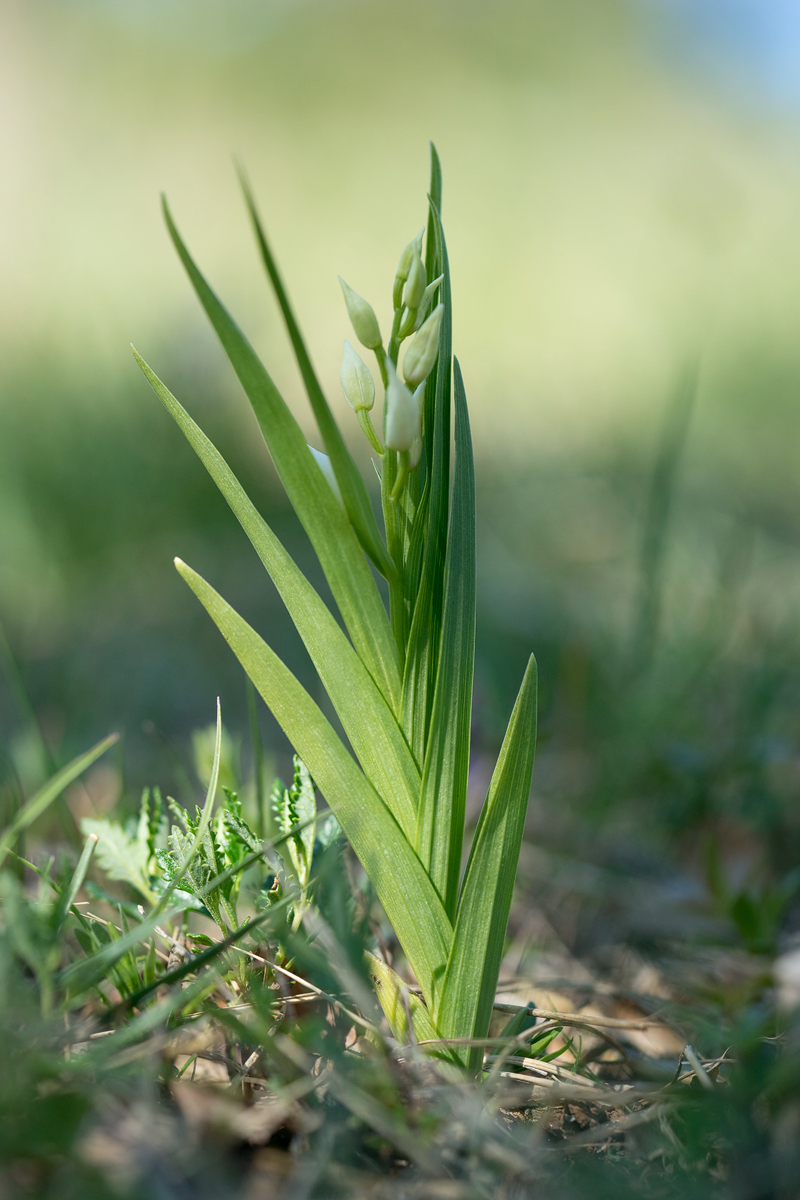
point(365, 714)
point(440, 829)
point(467, 997)
point(331, 534)
point(402, 885)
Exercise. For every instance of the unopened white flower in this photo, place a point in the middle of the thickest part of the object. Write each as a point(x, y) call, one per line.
point(415, 449)
point(425, 301)
point(357, 382)
point(362, 317)
point(326, 466)
point(421, 354)
point(402, 413)
point(416, 282)
point(404, 266)
point(407, 257)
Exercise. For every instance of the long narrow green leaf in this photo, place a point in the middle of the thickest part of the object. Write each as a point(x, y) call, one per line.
point(354, 493)
point(320, 513)
point(421, 656)
point(466, 1000)
point(42, 800)
point(365, 715)
point(440, 820)
point(403, 888)
point(431, 266)
point(434, 268)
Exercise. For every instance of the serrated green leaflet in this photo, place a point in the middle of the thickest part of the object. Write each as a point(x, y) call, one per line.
point(440, 820)
point(365, 715)
point(190, 850)
point(120, 855)
point(331, 534)
point(354, 493)
point(474, 965)
point(403, 887)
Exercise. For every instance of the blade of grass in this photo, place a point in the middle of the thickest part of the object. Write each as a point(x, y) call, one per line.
point(320, 513)
point(154, 1017)
point(42, 800)
point(403, 888)
point(656, 527)
point(440, 820)
point(67, 897)
point(16, 683)
point(470, 982)
point(258, 757)
point(197, 961)
point(354, 493)
point(366, 717)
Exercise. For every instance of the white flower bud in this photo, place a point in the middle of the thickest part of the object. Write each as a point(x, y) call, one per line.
point(427, 295)
point(402, 413)
point(407, 257)
point(357, 382)
point(416, 282)
point(421, 354)
point(362, 317)
point(325, 465)
point(415, 449)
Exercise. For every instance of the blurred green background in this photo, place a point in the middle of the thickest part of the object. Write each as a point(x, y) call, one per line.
point(622, 188)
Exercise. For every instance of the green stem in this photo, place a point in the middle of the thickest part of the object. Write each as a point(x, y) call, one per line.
point(368, 430)
point(380, 354)
point(393, 521)
point(407, 326)
point(394, 340)
point(402, 476)
point(258, 757)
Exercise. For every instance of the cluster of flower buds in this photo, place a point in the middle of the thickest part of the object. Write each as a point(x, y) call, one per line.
point(412, 296)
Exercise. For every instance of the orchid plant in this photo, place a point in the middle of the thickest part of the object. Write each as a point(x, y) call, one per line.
point(400, 679)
